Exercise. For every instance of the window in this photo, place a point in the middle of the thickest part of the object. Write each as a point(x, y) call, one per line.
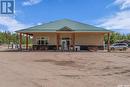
point(42, 41)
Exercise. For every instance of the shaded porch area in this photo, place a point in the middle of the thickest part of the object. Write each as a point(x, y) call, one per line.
point(64, 41)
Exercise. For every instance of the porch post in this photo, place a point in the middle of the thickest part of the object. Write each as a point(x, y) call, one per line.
point(20, 42)
point(26, 41)
point(108, 43)
point(73, 41)
point(57, 37)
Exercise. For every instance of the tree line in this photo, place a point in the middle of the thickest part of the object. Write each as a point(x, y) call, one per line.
point(116, 37)
point(8, 37)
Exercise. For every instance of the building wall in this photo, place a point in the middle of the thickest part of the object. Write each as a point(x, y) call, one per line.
point(89, 39)
point(80, 38)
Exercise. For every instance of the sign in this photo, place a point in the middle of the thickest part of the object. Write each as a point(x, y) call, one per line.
point(7, 6)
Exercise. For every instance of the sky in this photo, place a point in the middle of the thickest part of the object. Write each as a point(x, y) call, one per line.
point(109, 14)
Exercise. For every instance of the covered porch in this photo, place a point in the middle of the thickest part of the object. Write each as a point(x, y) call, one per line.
point(59, 41)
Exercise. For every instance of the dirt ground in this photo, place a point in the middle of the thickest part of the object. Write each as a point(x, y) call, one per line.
point(64, 69)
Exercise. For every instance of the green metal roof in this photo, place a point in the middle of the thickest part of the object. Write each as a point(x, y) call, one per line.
point(64, 25)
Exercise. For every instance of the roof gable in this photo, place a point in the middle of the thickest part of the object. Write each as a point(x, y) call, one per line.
point(65, 29)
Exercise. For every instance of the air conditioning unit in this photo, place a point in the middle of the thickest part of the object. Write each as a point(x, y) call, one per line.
point(77, 48)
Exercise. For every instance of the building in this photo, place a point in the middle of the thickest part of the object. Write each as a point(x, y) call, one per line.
point(66, 35)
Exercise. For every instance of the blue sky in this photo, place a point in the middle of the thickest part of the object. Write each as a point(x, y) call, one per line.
point(47, 10)
point(110, 14)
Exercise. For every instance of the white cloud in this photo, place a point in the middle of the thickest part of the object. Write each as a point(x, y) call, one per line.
point(39, 23)
point(121, 20)
point(31, 2)
point(10, 24)
point(123, 3)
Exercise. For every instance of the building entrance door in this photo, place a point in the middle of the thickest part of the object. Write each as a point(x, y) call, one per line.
point(65, 43)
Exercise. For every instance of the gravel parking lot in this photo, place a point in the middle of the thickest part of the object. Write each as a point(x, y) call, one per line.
point(64, 69)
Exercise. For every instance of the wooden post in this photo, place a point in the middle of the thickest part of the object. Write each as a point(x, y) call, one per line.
point(20, 43)
point(73, 41)
point(57, 37)
point(108, 43)
point(26, 41)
